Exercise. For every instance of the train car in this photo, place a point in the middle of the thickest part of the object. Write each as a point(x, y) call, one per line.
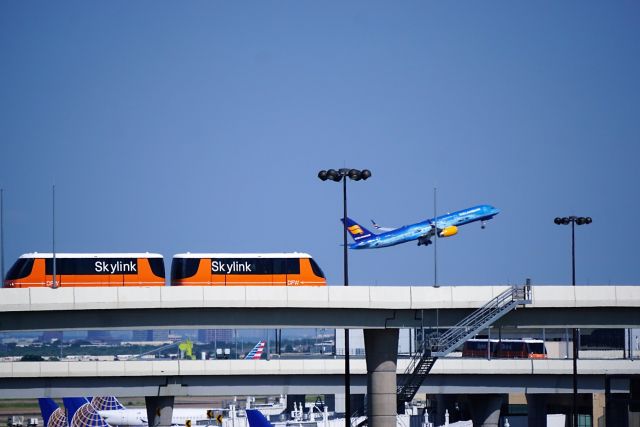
point(99, 269)
point(226, 269)
point(525, 348)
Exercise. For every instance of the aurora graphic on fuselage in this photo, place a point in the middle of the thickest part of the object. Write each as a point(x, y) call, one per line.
point(447, 225)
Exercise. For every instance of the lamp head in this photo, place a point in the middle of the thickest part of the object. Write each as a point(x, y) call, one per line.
point(355, 174)
point(334, 175)
point(584, 220)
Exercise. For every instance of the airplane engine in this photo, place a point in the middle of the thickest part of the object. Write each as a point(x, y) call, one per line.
point(449, 231)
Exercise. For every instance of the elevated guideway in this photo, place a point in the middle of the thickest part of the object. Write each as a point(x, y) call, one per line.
point(290, 307)
point(380, 310)
point(239, 377)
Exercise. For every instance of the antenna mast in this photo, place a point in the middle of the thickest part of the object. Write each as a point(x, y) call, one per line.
point(435, 241)
point(54, 285)
point(1, 236)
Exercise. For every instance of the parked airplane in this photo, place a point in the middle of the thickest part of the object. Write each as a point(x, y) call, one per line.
point(257, 419)
point(446, 225)
point(52, 414)
point(256, 351)
point(108, 411)
point(116, 414)
point(80, 413)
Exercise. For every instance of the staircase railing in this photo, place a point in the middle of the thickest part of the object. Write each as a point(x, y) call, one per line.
point(484, 316)
point(440, 345)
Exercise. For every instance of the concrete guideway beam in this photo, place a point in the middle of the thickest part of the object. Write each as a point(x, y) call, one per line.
point(283, 307)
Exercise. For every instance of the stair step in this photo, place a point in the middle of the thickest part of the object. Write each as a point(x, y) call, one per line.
point(423, 361)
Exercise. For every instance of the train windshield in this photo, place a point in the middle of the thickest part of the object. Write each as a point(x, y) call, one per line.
point(181, 268)
point(22, 268)
point(316, 268)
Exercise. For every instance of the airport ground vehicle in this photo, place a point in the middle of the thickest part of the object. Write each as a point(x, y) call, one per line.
point(227, 269)
point(97, 269)
point(525, 348)
point(147, 269)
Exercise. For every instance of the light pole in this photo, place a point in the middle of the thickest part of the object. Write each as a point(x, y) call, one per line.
point(337, 176)
point(573, 220)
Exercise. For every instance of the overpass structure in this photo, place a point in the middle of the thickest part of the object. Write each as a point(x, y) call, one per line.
point(297, 376)
point(366, 307)
point(380, 310)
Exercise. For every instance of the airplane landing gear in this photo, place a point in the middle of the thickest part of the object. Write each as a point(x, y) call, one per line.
point(483, 224)
point(424, 241)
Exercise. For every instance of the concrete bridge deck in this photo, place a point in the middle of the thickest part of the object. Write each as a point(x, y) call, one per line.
point(225, 377)
point(286, 307)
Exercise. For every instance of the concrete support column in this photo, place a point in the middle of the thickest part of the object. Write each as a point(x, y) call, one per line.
point(485, 409)
point(381, 347)
point(537, 410)
point(159, 410)
point(597, 414)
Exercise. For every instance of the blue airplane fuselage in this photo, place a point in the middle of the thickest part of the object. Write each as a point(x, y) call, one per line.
point(422, 229)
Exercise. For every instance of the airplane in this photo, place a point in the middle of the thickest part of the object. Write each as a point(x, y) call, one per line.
point(80, 413)
point(256, 351)
point(446, 225)
point(114, 413)
point(52, 414)
point(257, 419)
point(108, 411)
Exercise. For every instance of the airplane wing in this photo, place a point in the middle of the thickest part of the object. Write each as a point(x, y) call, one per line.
point(378, 227)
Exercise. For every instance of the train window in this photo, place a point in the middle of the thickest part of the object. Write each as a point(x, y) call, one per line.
point(279, 265)
point(293, 265)
point(285, 265)
point(181, 268)
point(88, 266)
point(316, 268)
point(477, 345)
point(537, 348)
point(21, 269)
point(242, 266)
point(157, 266)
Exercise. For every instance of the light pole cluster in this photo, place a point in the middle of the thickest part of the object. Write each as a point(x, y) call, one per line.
point(337, 176)
point(573, 220)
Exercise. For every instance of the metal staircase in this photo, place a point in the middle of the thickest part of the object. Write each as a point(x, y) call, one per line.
point(441, 345)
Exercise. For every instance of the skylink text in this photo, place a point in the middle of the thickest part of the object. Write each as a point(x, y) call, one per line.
point(115, 267)
point(230, 268)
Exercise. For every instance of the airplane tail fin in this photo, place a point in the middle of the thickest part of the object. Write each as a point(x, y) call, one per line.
point(256, 352)
point(257, 419)
point(357, 231)
point(106, 403)
point(52, 414)
point(80, 413)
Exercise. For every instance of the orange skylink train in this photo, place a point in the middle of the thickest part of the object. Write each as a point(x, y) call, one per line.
point(147, 269)
point(222, 269)
point(75, 270)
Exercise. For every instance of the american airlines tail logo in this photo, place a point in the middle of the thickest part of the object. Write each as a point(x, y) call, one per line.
point(256, 352)
point(355, 229)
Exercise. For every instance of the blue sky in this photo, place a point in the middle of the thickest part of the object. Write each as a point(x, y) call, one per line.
point(201, 126)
